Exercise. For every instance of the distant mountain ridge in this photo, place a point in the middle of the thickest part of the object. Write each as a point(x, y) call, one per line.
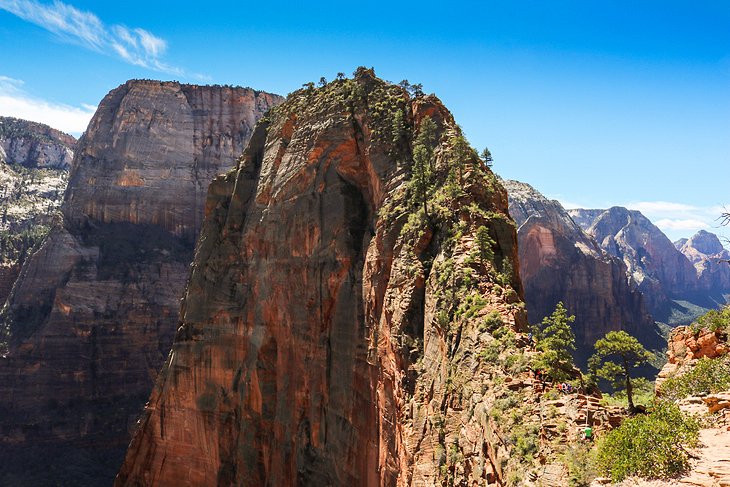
point(678, 280)
point(560, 262)
point(705, 251)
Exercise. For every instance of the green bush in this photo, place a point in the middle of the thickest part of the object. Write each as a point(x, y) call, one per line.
point(708, 375)
point(491, 322)
point(650, 445)
point(715, 320)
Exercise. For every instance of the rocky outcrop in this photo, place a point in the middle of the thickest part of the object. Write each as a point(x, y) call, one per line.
point(34, 163)
point(334, 331)
point(559, 262)
point(94, 311)
point(34, 145)
point(711, 260)
point(661, 272)
point(686, 345)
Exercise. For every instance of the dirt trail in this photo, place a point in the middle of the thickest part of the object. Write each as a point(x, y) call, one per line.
point(711, 468)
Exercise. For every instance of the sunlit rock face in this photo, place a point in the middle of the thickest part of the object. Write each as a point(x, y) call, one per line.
point(675, 290)
point(316, 344)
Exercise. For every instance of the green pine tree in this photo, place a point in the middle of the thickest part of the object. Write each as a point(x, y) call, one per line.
point(616, 355)
point(556, 341)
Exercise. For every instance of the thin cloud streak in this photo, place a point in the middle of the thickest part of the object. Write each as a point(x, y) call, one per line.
point(679, 219)
point(677, 224)
point(16, 102)
point(133, 45)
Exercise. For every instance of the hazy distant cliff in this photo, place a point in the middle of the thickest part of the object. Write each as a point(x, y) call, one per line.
point(332, 330)
point(664, 275)
point(94, 311)
point(710, 259)
point(34, 145)
point(34, 164)
point(559, 262)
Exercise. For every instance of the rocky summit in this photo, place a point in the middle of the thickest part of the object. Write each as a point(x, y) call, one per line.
point(93, 314)
point(711, 260)
point(560, 262)
point(348, 286)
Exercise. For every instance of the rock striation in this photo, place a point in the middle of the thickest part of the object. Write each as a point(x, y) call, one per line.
point(34, 164)
point(333, 326)
point(93, 314)
point(661, 272)
point(560, 262)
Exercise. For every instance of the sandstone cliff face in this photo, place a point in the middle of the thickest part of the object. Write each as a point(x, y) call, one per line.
point(705, 251)
point(332, 330)
point(94, 311)
point(34, 163)
point(559, 262)
point(661, 272)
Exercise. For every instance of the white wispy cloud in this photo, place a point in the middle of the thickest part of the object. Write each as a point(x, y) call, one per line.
point(680, 219)
point(677, 224)
point(133, 45)
point(16, 102)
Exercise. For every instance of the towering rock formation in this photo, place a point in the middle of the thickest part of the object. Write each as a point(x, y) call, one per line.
point(94, 311)
point(559, 262)
point(710, 259)
point(334, 331)
point(34, 164)
point(661, 272)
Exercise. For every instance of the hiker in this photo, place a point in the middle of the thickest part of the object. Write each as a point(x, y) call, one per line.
point(587, 433)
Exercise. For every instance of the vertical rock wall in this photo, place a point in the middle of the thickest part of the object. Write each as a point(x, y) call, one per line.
point(94, 311)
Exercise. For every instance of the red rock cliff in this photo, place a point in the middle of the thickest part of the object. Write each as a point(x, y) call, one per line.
point(94, 311)
point(331, 329)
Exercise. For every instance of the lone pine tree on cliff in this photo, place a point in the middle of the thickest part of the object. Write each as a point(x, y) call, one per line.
point(616, 355)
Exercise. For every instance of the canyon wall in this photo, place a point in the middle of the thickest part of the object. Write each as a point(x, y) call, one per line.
point(93, 314)
point(674, 290)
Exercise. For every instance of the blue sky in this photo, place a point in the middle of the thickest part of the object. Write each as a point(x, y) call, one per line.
point(594, 103)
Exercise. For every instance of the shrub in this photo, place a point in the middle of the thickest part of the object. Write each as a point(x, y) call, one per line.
point(708, 375)
point(581, 465)
point(491, 322)
point(717, 321)
point(649, 446)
